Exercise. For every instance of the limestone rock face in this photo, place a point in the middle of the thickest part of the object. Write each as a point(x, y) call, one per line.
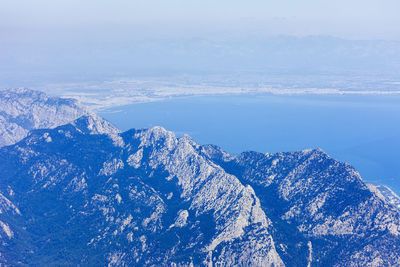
point(77, 191)
point(320, 208)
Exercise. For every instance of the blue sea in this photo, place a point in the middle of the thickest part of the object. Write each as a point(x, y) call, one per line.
point(363, 130)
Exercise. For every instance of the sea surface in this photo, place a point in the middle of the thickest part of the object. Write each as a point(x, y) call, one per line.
point(363, 130)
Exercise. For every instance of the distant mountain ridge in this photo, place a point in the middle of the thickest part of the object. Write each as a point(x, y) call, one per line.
point(84, 193)
point(22, 110)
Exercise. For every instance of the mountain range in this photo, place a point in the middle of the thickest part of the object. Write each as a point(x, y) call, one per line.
point(85, 194)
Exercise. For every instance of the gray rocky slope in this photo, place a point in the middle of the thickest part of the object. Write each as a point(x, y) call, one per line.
point(85, 194)
point(22, 110)
point(317, 202)
point(386, 194)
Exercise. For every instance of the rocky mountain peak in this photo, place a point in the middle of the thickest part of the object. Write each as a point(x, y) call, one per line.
point(93, 124)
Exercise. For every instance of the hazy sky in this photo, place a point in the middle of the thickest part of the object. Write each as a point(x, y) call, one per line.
point(365, 19)
point(52, 40)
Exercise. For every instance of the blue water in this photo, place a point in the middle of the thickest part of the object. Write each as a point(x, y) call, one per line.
point(361, 130)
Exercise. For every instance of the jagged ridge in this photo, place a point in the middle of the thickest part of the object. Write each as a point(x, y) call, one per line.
point(83, 193)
